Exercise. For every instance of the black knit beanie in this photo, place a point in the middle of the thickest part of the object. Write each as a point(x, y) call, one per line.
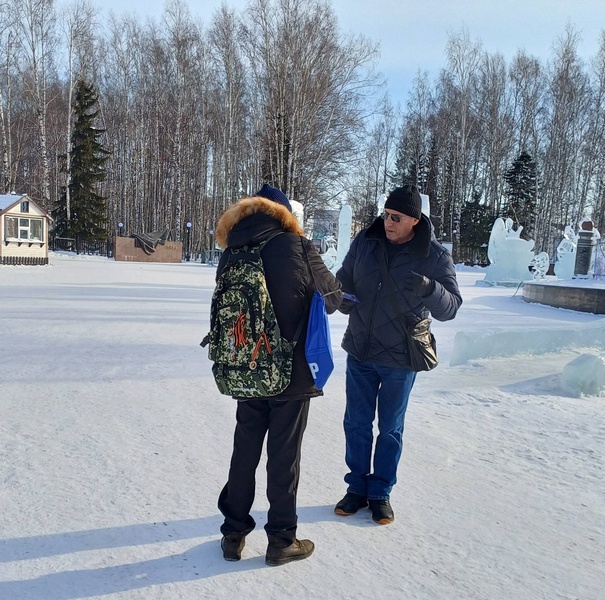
point(275, 195)
point(405, 200)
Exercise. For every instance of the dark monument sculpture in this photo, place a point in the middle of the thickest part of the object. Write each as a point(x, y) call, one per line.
point(149, 241)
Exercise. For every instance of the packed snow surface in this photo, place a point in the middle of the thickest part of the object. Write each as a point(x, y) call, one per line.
point(115, 443)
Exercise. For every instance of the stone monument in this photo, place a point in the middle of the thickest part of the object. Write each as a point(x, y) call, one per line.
point(583, 267)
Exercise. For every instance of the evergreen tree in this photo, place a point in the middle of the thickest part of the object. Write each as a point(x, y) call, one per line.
point(87, 219)
point(368, 213)
point(408, 171)
point(398, 174)
point(476, 222)
point(521, 186)
point(432, 186)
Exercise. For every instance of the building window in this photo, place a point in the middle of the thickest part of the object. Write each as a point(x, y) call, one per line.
point(24, 230)
point(11, 227)
point(35, 229)
point(25, 206)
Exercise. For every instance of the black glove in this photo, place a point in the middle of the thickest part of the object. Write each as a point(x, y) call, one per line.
point(349, 302)
point(417, 284)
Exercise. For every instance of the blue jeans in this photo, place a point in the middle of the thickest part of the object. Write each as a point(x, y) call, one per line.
point(371, 386)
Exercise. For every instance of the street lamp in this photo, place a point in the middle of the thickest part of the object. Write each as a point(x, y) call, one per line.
point(120, 228)
point(188, 242)
point(208, 247)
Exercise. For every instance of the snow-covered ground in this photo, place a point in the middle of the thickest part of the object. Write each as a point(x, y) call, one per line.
point(114, 444)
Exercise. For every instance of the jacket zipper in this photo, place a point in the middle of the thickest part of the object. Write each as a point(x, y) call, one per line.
point(366, 345)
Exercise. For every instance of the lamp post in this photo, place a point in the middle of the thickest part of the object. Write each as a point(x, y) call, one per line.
point(211, 253)
point(188, 241)
point(115, 246)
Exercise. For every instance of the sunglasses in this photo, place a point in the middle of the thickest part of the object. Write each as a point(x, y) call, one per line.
point(395, 218)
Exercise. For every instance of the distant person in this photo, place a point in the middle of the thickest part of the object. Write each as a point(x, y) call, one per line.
point(291, 265)
point(395, 270)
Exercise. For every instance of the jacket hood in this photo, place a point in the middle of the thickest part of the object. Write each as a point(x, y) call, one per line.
point(420, 244)
point(236, 227)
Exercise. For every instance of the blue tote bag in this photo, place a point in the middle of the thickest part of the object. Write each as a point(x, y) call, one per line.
point(318, 347)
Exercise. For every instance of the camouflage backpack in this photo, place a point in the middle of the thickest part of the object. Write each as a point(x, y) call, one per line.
point(251, 358)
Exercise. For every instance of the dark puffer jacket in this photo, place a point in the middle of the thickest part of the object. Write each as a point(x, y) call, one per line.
point(374, 331)
point(287, 269)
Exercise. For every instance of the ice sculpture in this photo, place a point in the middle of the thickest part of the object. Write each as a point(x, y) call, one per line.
point(585, 375)
point(510, 256)
point(344, 234)
point(337, 250)
point(566, 254)
point(539, 265)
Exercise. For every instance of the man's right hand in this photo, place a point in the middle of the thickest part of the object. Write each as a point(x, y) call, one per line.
point(417, 284)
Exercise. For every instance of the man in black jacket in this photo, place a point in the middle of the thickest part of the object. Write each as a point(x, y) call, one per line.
point(398, 273)
point(292, 265)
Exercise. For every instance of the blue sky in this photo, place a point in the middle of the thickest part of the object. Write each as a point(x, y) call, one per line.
point(413, 35)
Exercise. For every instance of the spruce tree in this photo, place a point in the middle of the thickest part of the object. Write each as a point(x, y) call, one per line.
point(476, 221)
point(521, 192)
point(87, 220)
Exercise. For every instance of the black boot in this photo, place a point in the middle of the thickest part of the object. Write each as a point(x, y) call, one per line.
point(382, 512)
point(279, 553)
point(350, 504)
point(232, 546)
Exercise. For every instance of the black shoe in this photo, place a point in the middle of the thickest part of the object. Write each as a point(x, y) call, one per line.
point(232, 546)
point(278, 555)
point(382, 512)
point(350, 504)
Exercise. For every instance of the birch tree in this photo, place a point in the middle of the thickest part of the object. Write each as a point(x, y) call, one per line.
point(36, 22)
point(371, 180)
point(596, 138)
point(496, 131)
point(412, 164)
point(463, 60)
point(566, 127)
point(6, 53)
point(232, 176)
point(527, 92)
point(120, 90)
point(311, 85)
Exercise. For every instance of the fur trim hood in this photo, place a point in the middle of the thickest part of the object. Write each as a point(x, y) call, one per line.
point(247, 207)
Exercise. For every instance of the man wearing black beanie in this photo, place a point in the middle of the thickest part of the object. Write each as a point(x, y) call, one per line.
point(394, 275)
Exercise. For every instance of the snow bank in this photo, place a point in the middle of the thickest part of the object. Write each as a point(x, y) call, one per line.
point(498, 343)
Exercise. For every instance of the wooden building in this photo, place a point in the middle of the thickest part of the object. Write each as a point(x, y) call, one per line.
point(24, 227)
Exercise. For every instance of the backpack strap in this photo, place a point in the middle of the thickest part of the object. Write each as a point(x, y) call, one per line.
point(252, 252)
point(301, 324)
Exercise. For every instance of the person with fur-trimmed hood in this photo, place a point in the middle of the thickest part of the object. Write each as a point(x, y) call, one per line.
point(288, 260)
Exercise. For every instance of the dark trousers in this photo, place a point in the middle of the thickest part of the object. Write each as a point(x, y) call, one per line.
point(284, 424)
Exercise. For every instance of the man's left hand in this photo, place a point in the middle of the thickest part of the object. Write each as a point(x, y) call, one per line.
point(418, 285)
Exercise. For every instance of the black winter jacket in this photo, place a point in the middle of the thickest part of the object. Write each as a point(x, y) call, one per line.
point(374, 333)
point(288, 271)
